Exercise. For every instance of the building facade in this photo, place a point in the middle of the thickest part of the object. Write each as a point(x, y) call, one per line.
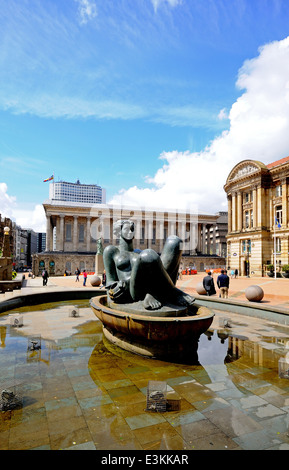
point(73, 230)
point(77, 192)
point(258, 229)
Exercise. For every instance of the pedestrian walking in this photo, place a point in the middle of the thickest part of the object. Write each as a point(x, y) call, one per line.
point(84, 277)
point(208, 283)
point(45, 277)
point(77, 272)
point(223, 282)
point(236, 273)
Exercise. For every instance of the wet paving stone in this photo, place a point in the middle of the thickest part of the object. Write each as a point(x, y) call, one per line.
point(82, 393)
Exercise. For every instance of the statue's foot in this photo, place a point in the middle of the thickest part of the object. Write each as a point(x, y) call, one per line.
point(184, 300)
point(150, 303)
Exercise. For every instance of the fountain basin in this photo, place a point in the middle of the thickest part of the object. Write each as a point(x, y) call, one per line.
point(151, 335)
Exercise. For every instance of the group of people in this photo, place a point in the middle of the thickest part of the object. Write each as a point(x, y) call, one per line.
point(77, 274)
point(223, 282)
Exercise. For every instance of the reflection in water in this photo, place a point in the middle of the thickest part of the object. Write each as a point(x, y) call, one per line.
point(83, 373)
point(2, 336)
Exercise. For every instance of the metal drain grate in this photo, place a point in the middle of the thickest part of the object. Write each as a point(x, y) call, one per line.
point(156, 396)
point(11, 397)
point(283, 368)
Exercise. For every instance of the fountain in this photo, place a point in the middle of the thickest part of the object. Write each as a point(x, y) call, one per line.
point(143, 311)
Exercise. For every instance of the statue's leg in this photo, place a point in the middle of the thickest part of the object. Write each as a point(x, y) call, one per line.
point(109, 264)
point(148, 276)
point(150, 282)
point(171, 256)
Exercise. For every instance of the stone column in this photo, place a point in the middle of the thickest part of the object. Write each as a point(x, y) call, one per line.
point(200, 245)
point(137, 237)
point(204, 251)
point(255, 207)
point(48, 233)
point(148, 232)
point(193, 238)
point(284, 204)
point(214, 239)
point(239, 212)
point(88, 236)
point(271, 210)
point(61, 233)
point(229, 197)
point(172, 227)
point(234, 212)
point(75, 244)
point(259, 206)
point(209, 239)
point(160, 233)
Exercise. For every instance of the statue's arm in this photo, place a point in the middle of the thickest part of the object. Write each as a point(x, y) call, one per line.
point(109, 264)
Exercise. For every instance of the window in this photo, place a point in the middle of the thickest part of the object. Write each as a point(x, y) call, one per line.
point(81, 233)
point(142, 235)
point(278, 215)
point(252, 219)
point(247, 220)
point(106, 233)
point(68, 232)
point(246, 246)
point(68, 266)
point(248, 197)
point(278, 245)
point(278, 190)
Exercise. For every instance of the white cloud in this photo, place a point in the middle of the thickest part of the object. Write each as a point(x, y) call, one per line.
point(87, 10)
point(259, 123)
point(33, 218)
point(223, 114)
point(171, 3)
point(6, 202)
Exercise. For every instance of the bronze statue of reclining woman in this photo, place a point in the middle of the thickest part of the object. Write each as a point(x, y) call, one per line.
point(146, 276)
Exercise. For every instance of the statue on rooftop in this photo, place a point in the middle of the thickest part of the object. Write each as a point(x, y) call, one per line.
point(144, 276)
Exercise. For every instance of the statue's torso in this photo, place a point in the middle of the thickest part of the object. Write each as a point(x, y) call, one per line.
point(124, 263)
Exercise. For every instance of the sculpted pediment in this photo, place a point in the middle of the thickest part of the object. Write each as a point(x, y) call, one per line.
point(244, 169)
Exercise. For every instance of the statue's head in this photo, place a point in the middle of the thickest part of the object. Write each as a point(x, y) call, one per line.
point(124, 229)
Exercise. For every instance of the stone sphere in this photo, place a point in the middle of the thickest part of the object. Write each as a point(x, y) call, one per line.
point(95, 281)
point(200, 289)
point(254, 293)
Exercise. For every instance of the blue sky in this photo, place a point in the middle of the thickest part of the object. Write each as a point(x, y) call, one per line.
point(155, 100)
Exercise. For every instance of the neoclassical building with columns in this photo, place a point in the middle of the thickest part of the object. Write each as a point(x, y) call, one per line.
point(73, 230)
point(258, 229)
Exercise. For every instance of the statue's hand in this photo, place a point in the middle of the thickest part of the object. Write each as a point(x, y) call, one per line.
point(117, 290)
